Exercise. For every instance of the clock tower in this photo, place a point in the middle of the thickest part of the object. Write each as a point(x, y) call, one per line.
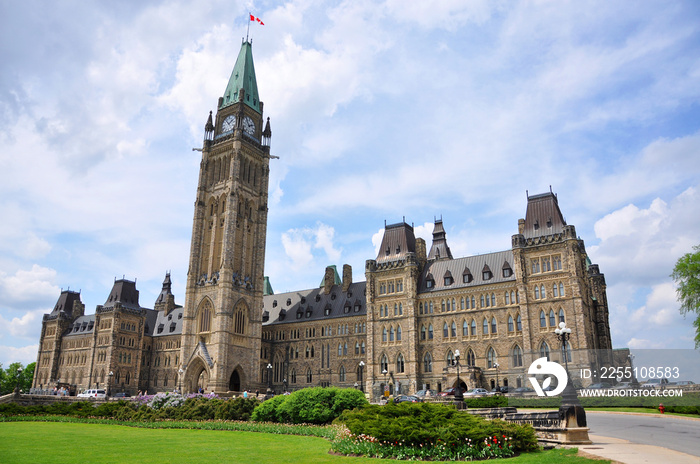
point(222, 321)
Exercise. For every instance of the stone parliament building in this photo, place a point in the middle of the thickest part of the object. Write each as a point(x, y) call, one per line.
point(397, 330)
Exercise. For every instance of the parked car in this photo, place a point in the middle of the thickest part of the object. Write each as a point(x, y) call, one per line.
point(122, 395)
point(424, 393)
point(683, 383)
point(449, 392)
point(655, 383)
point(599, 386)
point(502, 389)
point(407, 399)
point(476, 392)
point(92, 393)
point(622, 386)
point(523, 390)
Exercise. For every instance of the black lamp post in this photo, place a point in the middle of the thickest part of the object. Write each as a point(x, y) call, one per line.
point(109, 383)
point(362, 366)
point(284, 384)
point(458, 393)
point(19, 376)
point(180, 372)
point(269, 376)
point(496, 365)
point(386, 385)
point(563, 334)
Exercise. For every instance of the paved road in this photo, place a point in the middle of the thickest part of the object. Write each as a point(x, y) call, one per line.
point(667, 431)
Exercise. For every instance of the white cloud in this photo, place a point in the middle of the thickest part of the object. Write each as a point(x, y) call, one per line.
point(25, 289)
point(23, 354)
point(299, 244)
point(23, 327)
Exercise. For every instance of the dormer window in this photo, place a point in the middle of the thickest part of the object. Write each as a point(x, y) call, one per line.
point(274, 304)
point(357, 307)
point(536, 225)
point(308, 313)
point(300, 314)
point(327, 310)
point(318, 298)
point(332, 296)
point(172, 327)
point(486, 273)
point(507, 272)
point(388, 250)
point(170, 317)
point(549, 222)
point(160, 328)
point(289, 301)
point(346, 309)
point(179, 316)
point(448, 278)
point(429, 281)
point(398, 249)
point(303, 300)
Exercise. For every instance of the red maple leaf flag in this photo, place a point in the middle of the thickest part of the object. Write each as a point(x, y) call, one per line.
point(253, 18)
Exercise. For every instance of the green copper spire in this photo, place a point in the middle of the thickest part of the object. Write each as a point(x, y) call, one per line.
point(267, 287)
point(243, 77)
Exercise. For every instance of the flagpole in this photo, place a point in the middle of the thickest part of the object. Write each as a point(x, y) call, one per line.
point(248, 30)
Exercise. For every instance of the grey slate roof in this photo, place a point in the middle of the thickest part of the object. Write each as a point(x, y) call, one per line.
point(124, 292)
point(543, 216)
point(81, 326)
point(475, 265)
point(65, 303)
point(160, 324)
point(282, 308)
point(398, 240)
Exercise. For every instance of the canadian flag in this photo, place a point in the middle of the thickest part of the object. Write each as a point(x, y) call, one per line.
point(253, 18)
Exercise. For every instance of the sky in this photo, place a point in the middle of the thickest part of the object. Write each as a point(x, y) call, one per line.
point(380, 111)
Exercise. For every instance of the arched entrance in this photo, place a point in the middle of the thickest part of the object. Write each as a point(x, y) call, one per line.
point(196, 377)
point(234, 383)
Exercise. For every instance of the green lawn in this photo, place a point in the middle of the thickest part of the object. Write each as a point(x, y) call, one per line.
point(48, 442)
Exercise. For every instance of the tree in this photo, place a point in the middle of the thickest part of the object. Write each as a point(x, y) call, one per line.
point(10, 377)
point(686, 274)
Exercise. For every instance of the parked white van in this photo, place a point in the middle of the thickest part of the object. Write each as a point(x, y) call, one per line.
point(94, 393)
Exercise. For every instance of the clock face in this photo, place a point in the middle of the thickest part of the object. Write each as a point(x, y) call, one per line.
point(248, 126)
point(229, 123)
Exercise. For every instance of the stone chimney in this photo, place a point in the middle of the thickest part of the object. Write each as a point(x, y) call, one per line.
point(328, 280)
point(521, 226)
point(421, 250)
point(347, 277)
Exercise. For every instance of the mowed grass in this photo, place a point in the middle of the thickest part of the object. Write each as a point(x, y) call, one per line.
point(44, 442)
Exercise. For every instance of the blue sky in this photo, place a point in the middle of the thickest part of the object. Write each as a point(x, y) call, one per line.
point(379, 110)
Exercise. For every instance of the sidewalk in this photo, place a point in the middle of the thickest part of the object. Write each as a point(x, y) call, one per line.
point(623, 451)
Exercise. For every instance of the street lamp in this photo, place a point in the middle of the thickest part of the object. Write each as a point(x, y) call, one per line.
point(496, 365)
point(269, 376)
point(563, 334)
point(180, 372)
point(458, 394)
point(19, 375)
point(355, 386)
point(109, 383)
point(386, 385)
point(362, 366)
point(284, 384)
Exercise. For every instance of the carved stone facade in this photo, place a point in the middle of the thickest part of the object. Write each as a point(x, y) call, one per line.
point(398, 330)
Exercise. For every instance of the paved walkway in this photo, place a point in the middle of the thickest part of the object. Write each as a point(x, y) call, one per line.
point(626, 452)
point(623, 451)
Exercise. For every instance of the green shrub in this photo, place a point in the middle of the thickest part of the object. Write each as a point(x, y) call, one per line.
point(487, 402)
point(267, 410)
point(317, 405)
point(421, 424)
